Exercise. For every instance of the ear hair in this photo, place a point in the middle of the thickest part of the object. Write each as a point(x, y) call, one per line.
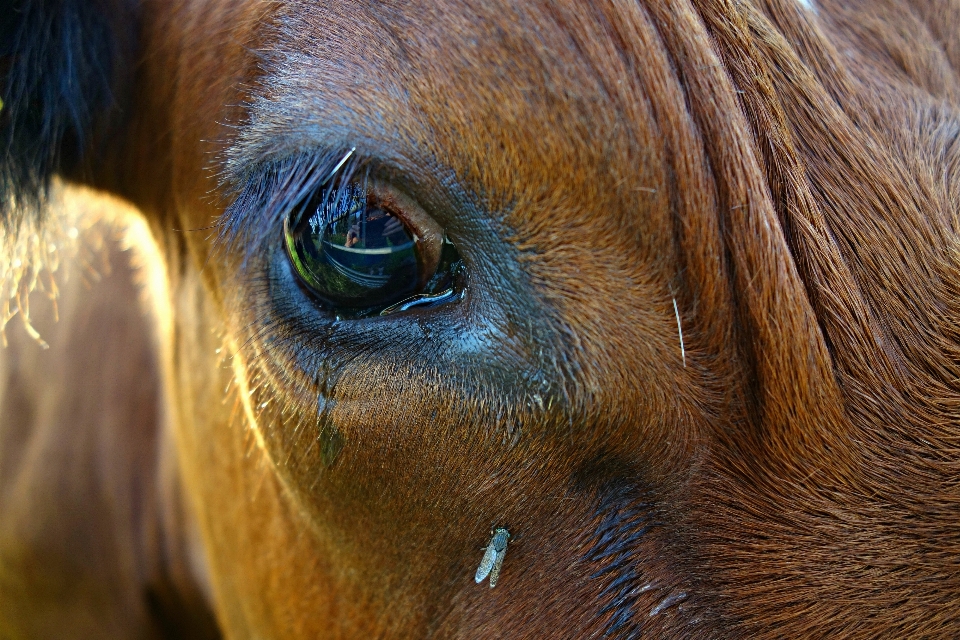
point(62, 64)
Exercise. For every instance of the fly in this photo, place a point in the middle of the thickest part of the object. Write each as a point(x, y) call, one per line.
point(493, 557)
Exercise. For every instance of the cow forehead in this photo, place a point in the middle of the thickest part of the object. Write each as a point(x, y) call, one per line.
point(528, 104)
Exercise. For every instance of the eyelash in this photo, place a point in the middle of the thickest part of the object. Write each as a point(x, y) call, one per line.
point(262, 197)
point(279, 189)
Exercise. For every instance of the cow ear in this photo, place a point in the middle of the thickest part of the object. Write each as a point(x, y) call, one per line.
point(63, 70)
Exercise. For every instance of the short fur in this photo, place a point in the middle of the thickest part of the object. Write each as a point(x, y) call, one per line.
point(785, 174)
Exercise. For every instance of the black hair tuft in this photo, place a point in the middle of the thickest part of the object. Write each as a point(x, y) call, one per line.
point(60, 64)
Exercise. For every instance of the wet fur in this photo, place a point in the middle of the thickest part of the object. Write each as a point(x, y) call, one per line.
point(790, 178)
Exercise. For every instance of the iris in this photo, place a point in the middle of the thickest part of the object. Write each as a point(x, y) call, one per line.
point(368, 248)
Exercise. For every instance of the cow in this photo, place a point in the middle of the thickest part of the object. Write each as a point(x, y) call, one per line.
point(648, 310)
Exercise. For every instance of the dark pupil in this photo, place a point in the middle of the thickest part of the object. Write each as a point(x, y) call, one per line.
point(353, 253)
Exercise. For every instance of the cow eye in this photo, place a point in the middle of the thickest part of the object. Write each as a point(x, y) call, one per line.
point(365, 248)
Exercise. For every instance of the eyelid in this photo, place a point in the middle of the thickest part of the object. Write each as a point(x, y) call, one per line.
point(428, 233)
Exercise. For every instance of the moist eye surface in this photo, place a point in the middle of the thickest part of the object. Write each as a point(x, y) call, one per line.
point(363, 246)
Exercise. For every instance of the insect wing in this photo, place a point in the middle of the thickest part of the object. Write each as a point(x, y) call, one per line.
point(497, 564)
point(489, 556)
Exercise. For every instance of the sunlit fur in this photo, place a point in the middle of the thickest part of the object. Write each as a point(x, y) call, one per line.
point(787, 175)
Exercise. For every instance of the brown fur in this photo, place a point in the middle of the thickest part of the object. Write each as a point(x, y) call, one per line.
point(788, 176)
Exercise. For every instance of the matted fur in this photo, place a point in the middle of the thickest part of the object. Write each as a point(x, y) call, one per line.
point(784, 173)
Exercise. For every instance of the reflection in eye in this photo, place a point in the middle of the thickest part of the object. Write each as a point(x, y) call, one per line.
point(359, 247)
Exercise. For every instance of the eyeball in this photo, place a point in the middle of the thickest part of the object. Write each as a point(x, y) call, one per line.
point(367, 246)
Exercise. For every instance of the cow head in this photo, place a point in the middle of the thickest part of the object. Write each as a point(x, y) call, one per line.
point(694, 341)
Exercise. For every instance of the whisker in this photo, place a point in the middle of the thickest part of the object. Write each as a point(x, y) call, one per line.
point(683, 351)
point(340, 164)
